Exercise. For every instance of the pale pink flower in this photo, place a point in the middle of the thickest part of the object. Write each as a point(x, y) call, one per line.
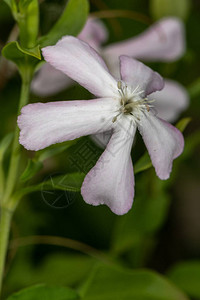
point(167, 103)
point(163, 41)
point(49, 81)
point(122, 107)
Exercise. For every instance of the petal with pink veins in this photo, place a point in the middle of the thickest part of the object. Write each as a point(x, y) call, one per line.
point(163, 41)
point(44, 124)
point(111, 180)
point(83, 64)
point(171, 101)
point(164, 143)
point(137, 74)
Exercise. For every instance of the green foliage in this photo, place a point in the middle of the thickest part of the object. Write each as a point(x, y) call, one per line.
point(54, 150)
point(45, 292)
point(186, 275)
point(70, 23)
point(191, 142)
point(12, 4)
point(4, 144)
point(194, 88)
point(23, 4)
point(110, 283)
point(36, 164)
point(68, 270)
point(134, 230)
point(67, 182)
point(32, 168)
point(164, 8)
point(26, 13)
point(143, 163)
point(25, 59)
point(28, 21)
point(183, 123)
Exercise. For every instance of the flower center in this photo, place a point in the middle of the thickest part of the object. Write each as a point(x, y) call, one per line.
point(131, 101)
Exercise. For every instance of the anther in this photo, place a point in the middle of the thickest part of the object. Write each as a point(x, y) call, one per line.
point(148, 108)
point(119, 85)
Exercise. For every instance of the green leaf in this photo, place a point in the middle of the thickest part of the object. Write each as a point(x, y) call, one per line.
point(67, 182)
point(18, 54)
point(45, 292)
point(68, 269)
point(165, 8)
point(23, 4)
point(186, 275)
point(109, 283)
point(36, 164)
point(35, 52)
point(4, 144)
point(194, 88)
point(143, 163)
point(191, 143)
point(54, 150)
point(32, 168)
point(12, 52)
point(144, 219)
point(12, 4)
point(182, 124)
point(70, 23)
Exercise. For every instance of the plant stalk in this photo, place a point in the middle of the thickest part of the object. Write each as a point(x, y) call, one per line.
point(5, 220)
point(15, 155)
point(7, 207)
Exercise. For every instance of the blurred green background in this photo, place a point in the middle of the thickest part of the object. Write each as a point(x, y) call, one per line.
point(163, 227)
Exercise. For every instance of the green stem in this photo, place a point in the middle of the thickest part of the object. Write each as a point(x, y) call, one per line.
point(15, 156)
point(5, 220)
point(7, 206)
point(1, 181)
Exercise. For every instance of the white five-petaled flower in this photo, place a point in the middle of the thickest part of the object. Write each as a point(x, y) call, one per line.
point(122, 107)
point(162, 41)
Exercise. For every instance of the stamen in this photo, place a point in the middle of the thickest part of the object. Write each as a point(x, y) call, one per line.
point(115, 118)
point(132, 101)
point(119, 85)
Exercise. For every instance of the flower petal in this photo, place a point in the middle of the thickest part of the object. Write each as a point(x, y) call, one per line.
point(44, 124)
point(94, 33)
point(111, 181)
point(137, 74)
point(49, 81)
point(102, 139)
point(163, 141)
point(163, 41)
point(171, 101)
point(82, 63)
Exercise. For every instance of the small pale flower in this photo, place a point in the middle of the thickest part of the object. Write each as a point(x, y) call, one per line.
point(49, 81)
point(162, 41)
point(123, 107)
